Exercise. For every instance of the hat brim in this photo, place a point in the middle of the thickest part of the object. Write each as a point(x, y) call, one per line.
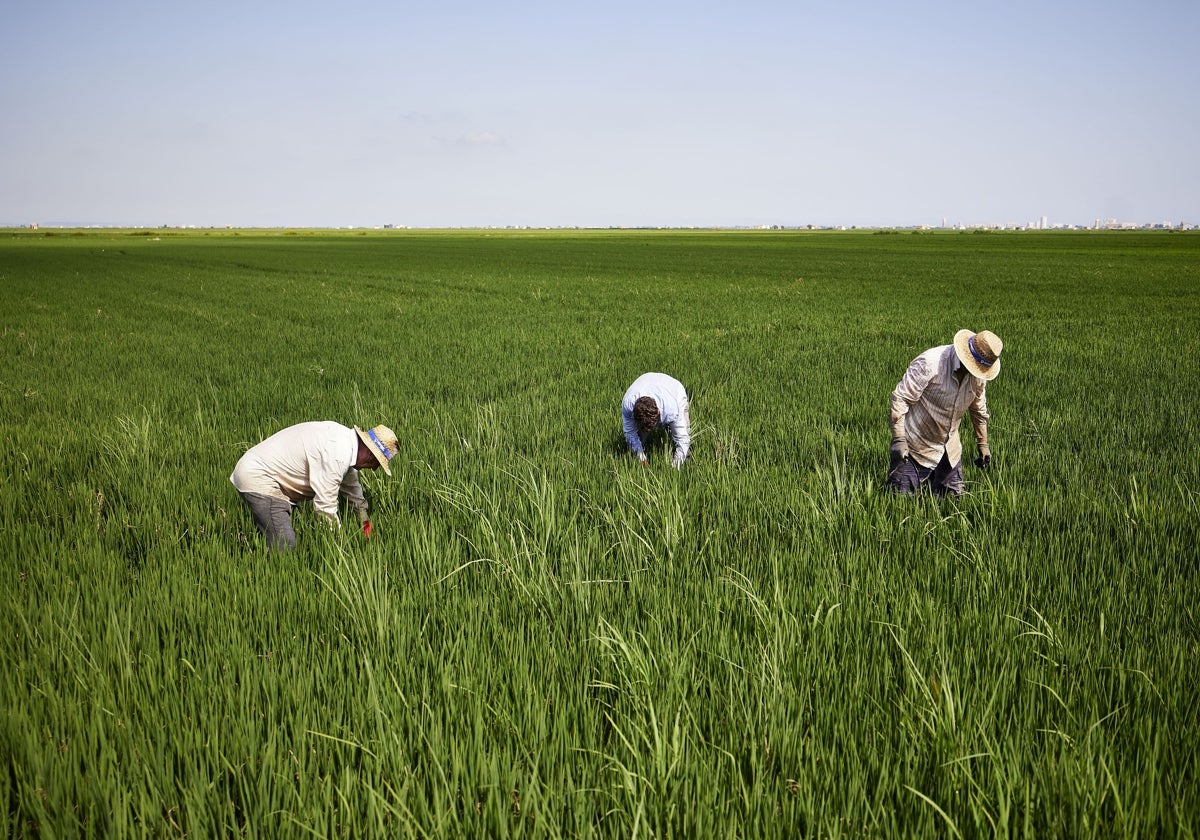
point(987, 374)
point(379, 456)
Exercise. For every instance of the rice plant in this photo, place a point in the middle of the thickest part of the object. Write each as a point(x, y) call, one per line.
point(544, 639)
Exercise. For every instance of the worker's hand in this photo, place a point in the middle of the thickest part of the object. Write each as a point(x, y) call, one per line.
point(643, 460)
point(898, 452)
point(366, 527)
point(985, 456)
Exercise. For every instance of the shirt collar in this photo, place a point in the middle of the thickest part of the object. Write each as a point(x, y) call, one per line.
point(957, 365)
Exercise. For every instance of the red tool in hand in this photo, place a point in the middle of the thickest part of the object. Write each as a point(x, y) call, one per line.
point(367, 528)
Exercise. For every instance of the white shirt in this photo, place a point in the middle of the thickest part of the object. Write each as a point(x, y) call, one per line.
point(312, 460)
point(929, 403)
point(672, 401)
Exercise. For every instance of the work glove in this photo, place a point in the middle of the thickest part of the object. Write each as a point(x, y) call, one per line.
point(366, 527)
point(985, 456)
point(898, 452)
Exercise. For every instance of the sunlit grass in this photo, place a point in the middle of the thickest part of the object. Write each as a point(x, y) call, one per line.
point(545, 639)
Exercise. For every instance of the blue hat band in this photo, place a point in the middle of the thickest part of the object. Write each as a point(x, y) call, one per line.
point(975, 353)
point(391, 455)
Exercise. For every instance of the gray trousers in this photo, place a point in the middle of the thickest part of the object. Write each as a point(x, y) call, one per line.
point(907, 477)
point(273, 518)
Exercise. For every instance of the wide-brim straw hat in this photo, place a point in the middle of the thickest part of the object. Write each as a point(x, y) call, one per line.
point(383, 444)
point(979, 353)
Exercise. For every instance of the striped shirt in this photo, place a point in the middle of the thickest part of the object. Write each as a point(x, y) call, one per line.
point(929, 403)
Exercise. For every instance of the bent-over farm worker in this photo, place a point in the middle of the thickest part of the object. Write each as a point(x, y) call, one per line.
point(318, 460)
point(941, 385)
point(656, 400)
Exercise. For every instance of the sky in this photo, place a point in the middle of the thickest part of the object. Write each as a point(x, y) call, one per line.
point(625, 114)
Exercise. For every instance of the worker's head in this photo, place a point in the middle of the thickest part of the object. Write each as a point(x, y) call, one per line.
point(376, 447)
point(645, 415)
point(979, 353)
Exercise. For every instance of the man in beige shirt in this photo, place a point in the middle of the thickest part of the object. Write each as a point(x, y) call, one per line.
point(318, 460)
point(939, 387)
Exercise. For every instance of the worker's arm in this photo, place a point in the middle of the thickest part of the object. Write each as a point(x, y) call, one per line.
point(979, 420)
point(906, 393)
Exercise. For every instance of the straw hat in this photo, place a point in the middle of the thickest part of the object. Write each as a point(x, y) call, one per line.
point(979, 353)
point(383, 444)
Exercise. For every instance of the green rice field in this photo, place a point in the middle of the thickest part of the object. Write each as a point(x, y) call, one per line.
point(543, 639)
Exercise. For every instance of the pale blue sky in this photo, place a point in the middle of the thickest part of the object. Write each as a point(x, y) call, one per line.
point(618, 113)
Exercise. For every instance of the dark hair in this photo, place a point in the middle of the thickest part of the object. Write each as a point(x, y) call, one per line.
point(645, 415)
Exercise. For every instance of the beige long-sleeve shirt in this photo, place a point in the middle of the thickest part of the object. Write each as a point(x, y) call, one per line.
point(312, 460)
point(929, 403)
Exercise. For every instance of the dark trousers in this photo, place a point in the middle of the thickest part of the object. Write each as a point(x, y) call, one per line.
point(273, 518)
point(907, 477)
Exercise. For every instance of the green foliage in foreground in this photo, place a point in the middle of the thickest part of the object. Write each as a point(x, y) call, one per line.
point(545, 640)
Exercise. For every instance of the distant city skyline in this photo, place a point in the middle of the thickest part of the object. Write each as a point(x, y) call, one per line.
point(1099, 224)
point(1043, 223)
point(651, 114)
